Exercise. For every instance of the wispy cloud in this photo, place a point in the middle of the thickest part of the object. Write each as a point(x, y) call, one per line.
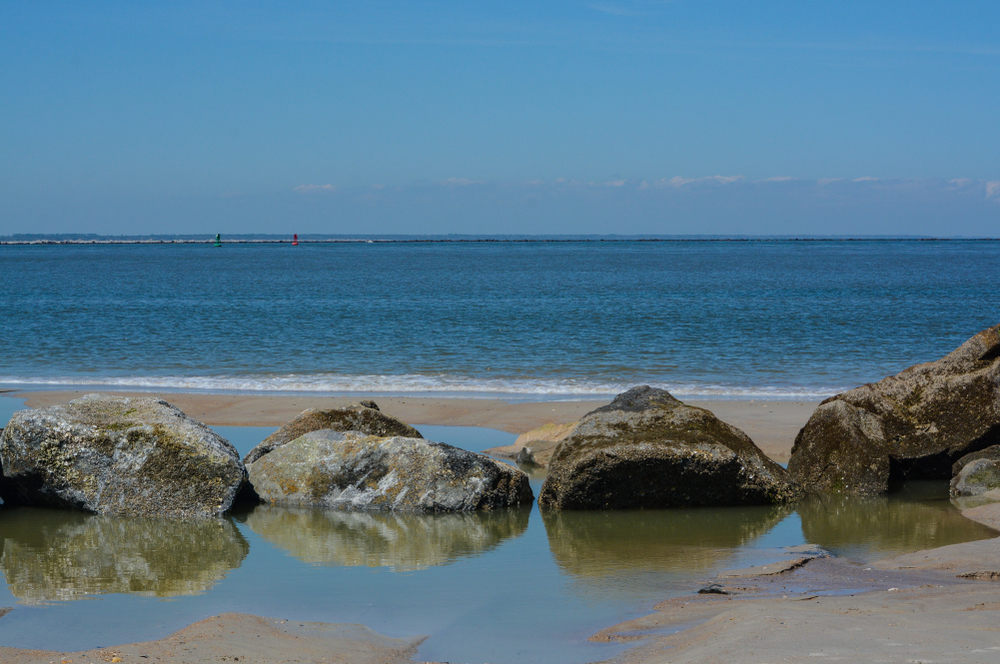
point(679, 181)
point(865, 179)
point(460, 182)
point(993, 189)
point(315, 188)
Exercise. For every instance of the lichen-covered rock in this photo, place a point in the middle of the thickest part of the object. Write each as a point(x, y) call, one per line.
point(913, 425)
point(992, 453)
point(364, 417)
point(59, 555)
point(647, 449)
point(353, 471)
point(118, 455)
point(976, 478)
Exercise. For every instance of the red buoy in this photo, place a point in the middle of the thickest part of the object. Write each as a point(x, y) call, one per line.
point(295, 239)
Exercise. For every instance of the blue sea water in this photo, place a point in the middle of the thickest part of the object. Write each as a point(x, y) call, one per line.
point(521, 319)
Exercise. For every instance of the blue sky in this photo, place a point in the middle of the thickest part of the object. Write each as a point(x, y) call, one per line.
point(683, 116)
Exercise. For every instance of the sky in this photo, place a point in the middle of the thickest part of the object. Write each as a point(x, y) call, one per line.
point(614, 116)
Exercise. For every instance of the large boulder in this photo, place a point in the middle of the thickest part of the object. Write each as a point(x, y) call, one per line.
point(354, 471)
point(976, 478)
point(118, 455)
point(364, 417)
point(913, 425)
point(647, 449)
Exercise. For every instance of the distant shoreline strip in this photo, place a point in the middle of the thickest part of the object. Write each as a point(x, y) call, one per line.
point(481, 241)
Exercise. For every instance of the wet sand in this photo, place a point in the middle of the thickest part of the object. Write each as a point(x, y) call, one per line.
point(771, 424)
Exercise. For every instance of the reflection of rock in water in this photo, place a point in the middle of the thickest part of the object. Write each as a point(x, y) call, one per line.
point(595, 544)
point(377, 539)
point(879, 526)
point(61, 555)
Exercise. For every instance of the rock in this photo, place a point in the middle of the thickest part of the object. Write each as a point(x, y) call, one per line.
point(118, 455)
point(992, 453)
point(353, 471)
point(713, 589)
point(404, 542)
point(647, 449)
point(976, 478)
point(60, 555)
point(913, 425)
point(525, 457)
point(364, 417)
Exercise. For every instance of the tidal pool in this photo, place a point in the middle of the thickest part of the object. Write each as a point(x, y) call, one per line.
point(509, 586)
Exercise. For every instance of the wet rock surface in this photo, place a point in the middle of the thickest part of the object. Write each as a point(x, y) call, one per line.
point(647, 449)
point(120, 456)
point(364, 417)
point(353, 471)
point(911, 426)
point(976, 478)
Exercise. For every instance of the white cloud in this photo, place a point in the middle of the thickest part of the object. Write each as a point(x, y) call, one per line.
point(865, 179)
point(777, 178)
point(825, 181)
point(315, 188)
point(678, 181)
point(460, 182)
point(993, 189)
point(615, 183)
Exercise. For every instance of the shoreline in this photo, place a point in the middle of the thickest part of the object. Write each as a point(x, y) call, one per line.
point(913, 607)
point(771, 424)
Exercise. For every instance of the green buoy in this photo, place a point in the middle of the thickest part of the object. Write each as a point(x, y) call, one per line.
point(218, 240)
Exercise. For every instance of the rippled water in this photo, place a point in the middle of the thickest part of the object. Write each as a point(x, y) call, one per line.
point(509, 586)
point(542, 319)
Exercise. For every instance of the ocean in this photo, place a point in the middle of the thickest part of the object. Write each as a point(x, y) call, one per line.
point(523, 320)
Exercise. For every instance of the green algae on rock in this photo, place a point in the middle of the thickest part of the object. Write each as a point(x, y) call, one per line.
point(914, 425)
point(354, 471)
point(647, 449)
point(120, 456)
point(364, 417)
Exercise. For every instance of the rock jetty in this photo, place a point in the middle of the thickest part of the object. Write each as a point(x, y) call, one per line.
point(119, 456)
point(355, 471)
point(647, 449)
point(914, 425)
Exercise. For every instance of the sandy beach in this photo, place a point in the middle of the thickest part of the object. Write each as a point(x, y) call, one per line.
point(936, 605)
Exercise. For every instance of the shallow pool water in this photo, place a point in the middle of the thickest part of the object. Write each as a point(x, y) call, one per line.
point(509, 586)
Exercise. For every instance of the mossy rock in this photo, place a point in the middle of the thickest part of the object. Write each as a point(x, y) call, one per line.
point(118, 456)
point(364, 417)
point(647, 449)
point(353, 471)
point(912, 426)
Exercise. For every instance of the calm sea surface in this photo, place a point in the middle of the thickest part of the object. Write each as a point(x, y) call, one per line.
point(525, 319)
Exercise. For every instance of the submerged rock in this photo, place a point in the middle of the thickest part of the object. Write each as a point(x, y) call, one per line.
point(118, 455)
point(913, 425)
point(647, 449)
point(364, 417)
point(353, 471)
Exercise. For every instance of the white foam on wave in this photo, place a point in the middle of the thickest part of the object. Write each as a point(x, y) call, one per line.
point(423, 384)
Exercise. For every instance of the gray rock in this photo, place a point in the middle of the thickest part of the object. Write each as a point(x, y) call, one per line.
point(914, 425)
point(354, 471)
point(525, 457)
point(992, 453)
point(976, 478)
point(647, 449)
point(116, 455)
point(364, 417)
